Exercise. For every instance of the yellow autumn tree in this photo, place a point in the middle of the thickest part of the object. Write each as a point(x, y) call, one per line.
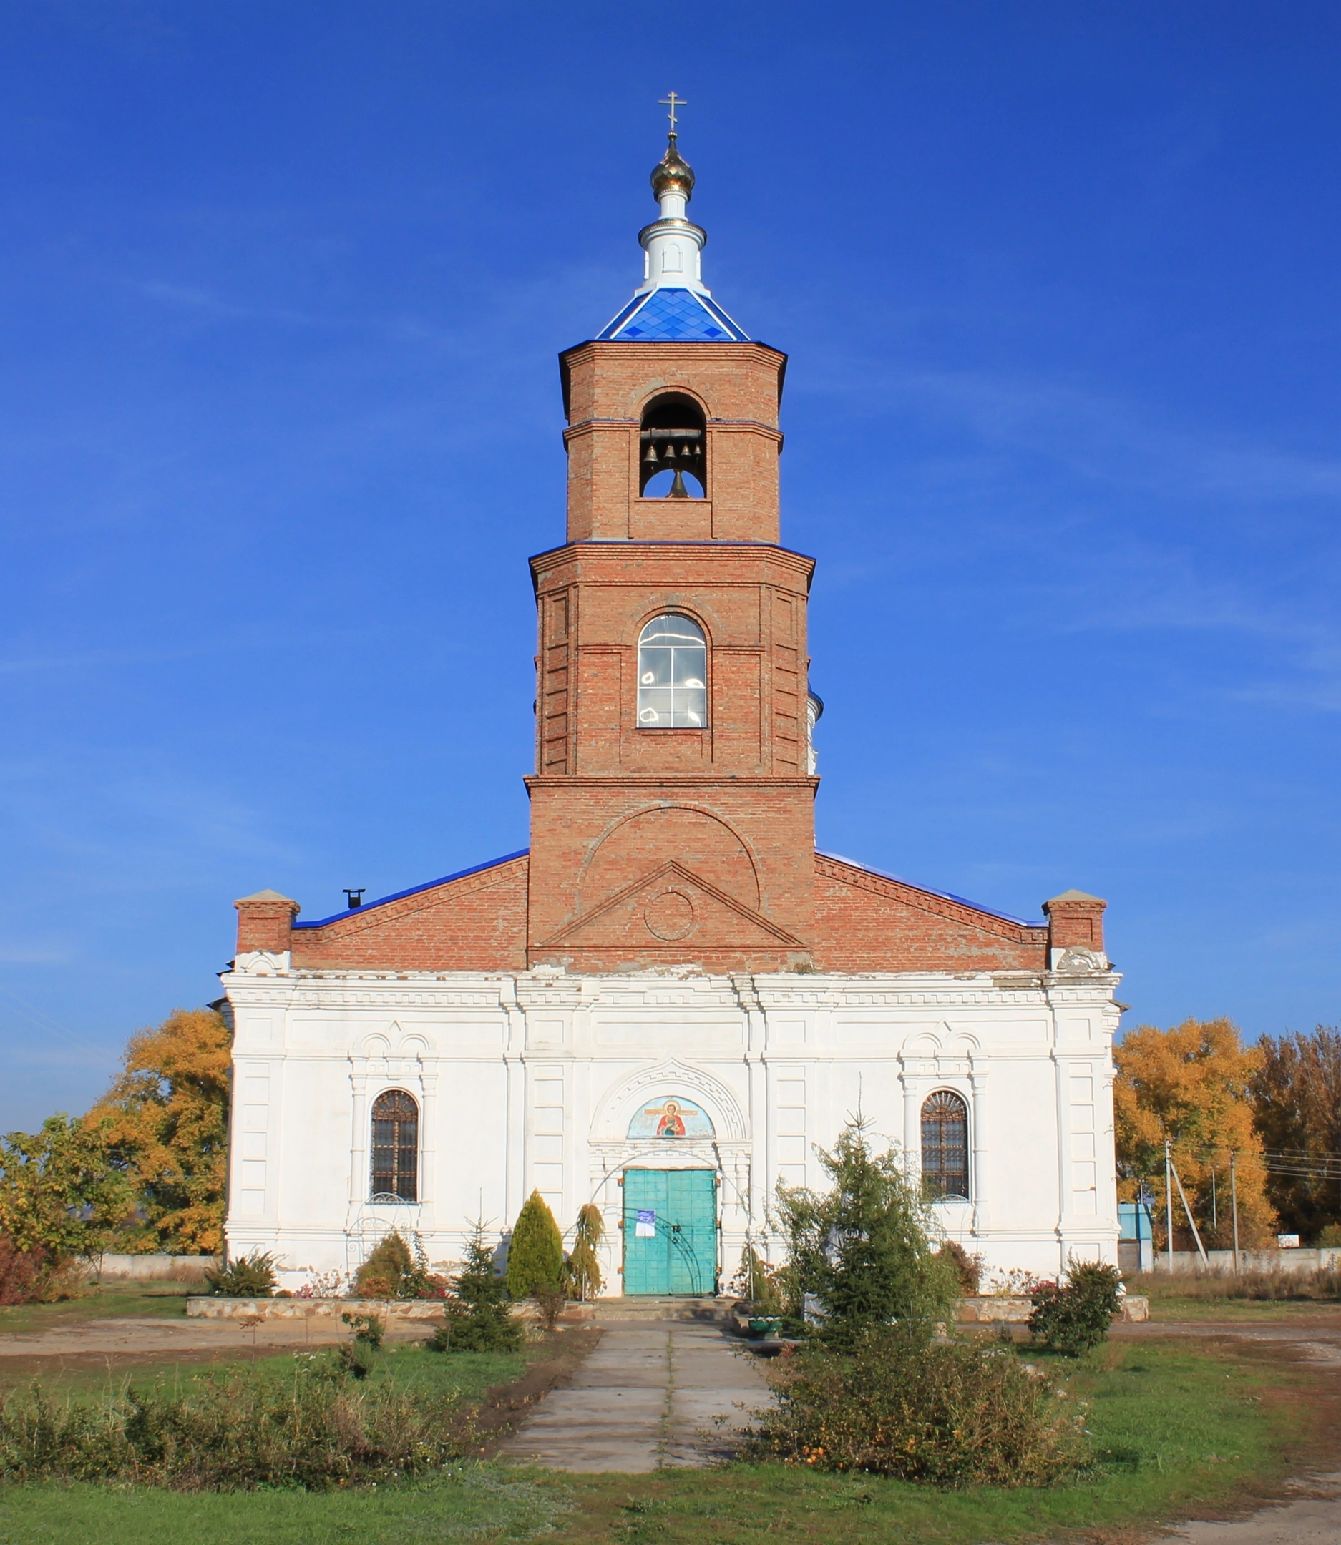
point(1191, 1084)
point(165, 1123)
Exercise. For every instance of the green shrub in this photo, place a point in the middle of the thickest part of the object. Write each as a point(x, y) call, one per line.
point(358, 1357)
point(757, 1284)
point(249, 1276)
point(369, 1329)
point(967, 1268)
point(535, 1255)
point(394, 1271)
point(1074, 1316)
point(477, 1315)
point(313, 1430)
point(551, 1303)
point(862, 1247)
point(23, 1273)
point(949, 1414)
point(1329, 1238)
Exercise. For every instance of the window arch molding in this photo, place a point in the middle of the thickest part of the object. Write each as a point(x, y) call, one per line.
point(945, 1146)
point(672, 672)
point(394, 1128)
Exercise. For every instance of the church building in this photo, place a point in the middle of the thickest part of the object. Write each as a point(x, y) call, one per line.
point(667, 1000)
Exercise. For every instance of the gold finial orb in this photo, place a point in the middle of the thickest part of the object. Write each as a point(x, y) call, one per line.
point(672, 174)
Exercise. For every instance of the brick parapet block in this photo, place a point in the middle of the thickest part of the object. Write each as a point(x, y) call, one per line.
point(265, 922)
point(1076, 921)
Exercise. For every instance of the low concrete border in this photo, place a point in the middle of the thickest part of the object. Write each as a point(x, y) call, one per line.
point(1016, 1311)
point(970, 1311)
point(212, 1308)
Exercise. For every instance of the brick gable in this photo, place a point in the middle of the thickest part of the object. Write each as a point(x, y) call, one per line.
point(866, 921)
point(476, 922)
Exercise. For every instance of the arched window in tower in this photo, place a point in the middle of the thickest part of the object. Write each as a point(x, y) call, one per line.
point(673, 449)
point(395, 1147)
point(945, 1145)
point(672, 674)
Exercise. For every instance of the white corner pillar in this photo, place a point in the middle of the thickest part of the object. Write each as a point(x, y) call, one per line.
point(982, 1207)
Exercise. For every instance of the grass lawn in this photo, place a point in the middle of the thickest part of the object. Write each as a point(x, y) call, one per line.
point(1173, 1426)
point(407, 1365)
point(107, 1301)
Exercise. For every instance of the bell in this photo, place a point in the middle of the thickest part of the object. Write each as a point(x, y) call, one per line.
point(668, 453)
point(651, 453)
point(677, 488)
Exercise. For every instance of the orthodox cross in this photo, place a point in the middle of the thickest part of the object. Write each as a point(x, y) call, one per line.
point(672, 102)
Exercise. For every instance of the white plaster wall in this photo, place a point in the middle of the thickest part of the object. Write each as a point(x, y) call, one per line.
point(528, 1081)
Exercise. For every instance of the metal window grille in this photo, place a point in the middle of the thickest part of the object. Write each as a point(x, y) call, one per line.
point(672, 674)
point(395, 1146)
point(945, 1144)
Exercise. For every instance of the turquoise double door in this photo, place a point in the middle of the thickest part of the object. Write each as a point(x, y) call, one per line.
point(670, 1231)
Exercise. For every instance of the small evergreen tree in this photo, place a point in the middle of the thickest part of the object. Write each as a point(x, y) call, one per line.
point(862, 1247)
point(478, 1316)
point(535, 1256)
point(584, 1266)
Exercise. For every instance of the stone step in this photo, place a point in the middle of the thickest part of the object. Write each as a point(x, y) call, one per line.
point(614, 1310)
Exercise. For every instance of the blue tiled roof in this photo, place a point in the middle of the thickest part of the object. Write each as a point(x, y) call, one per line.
point(673, 316)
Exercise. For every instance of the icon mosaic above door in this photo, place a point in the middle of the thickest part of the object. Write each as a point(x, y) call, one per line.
point(672, 1117)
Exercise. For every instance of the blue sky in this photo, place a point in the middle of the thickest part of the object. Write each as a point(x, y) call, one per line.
point(280, 423)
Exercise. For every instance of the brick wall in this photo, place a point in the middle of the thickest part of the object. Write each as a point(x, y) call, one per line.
point(476, 923)
point(705, 906)
point(865, 922)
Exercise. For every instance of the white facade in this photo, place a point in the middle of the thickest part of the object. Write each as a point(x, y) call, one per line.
point(531, 1080)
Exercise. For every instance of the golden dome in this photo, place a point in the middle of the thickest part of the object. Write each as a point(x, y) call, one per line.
point(672, 173)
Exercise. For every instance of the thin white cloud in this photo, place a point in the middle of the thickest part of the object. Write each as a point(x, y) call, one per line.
point(1099, 437)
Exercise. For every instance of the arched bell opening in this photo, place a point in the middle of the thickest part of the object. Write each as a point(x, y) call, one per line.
point(673, 449)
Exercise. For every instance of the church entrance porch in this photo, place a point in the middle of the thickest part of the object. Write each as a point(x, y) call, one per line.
point(670, 1232)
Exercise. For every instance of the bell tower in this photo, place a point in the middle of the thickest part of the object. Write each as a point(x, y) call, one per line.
point(672, 805)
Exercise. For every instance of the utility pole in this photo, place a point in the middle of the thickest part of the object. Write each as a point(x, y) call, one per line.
point(1234, 1202)
point(1191, 1221)
point(1168, 1203)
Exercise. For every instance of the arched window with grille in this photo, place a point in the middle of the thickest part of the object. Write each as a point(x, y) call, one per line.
point(395, 1146)
point(672, 674)
point(945, 1151)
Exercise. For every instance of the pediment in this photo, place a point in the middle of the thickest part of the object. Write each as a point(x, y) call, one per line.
point(669, 911)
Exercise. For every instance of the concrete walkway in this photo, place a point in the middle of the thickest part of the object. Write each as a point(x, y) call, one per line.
point(653, 1394)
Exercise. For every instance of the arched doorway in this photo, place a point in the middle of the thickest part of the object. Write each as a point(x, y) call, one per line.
point(669, 1216)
